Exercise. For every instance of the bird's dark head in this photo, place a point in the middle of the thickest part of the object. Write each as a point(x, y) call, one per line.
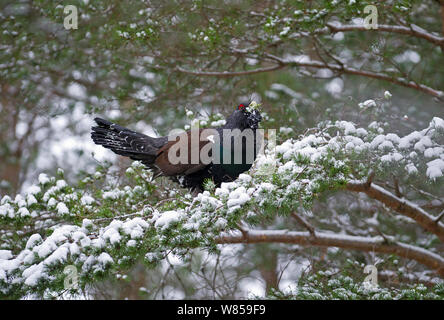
point(247, 115)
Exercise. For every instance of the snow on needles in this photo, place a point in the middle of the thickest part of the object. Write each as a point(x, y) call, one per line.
point(296, 169)
point(68, 243)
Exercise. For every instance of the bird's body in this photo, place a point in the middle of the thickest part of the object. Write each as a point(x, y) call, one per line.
point(235, 147)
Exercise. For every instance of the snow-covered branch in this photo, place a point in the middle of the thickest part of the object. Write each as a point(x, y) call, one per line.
point(323, 239)
point(343, 68)
point(400, 205)
point(227, 74)
point(339, 68)
point(101, 230)
point(412, 30)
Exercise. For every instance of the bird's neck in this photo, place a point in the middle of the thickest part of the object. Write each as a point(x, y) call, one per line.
point(235, 122)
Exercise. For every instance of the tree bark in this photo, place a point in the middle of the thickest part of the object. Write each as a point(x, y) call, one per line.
point(400, 205)
point(324, 239)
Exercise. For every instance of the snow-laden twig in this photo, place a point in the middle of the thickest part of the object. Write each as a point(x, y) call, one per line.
point(324, 239)
point(400, 205)
point(413, 30)
point(340, 68)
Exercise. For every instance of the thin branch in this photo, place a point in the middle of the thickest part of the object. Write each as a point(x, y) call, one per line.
point(439, 217)
point(324, 239)
point(425, 193)
point(349, 70)
point(371, 176)
point(340, 68)
point(392, 276)
point(412, 30)
point(226, 74)
point(397, 189)
point(243, 229)
point(304, 223)
point(402, 206)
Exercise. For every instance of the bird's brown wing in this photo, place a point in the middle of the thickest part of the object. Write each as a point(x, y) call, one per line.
point(175, 157)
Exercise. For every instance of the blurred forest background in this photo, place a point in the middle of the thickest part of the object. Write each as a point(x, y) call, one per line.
point(146, 64)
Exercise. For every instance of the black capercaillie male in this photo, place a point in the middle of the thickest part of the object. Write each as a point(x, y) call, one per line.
point(155, 152)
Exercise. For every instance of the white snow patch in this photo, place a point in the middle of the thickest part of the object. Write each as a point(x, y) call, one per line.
point(167, 218)
point(62, 208)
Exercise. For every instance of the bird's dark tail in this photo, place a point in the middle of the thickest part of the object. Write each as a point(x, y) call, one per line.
point(126, 142)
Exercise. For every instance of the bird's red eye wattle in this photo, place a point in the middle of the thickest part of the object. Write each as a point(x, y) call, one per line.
point(241, 106)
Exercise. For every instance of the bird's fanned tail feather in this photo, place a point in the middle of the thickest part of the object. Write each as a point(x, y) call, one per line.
point(125, 142)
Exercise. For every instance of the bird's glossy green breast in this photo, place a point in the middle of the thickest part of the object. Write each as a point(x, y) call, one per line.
point(232, 168)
